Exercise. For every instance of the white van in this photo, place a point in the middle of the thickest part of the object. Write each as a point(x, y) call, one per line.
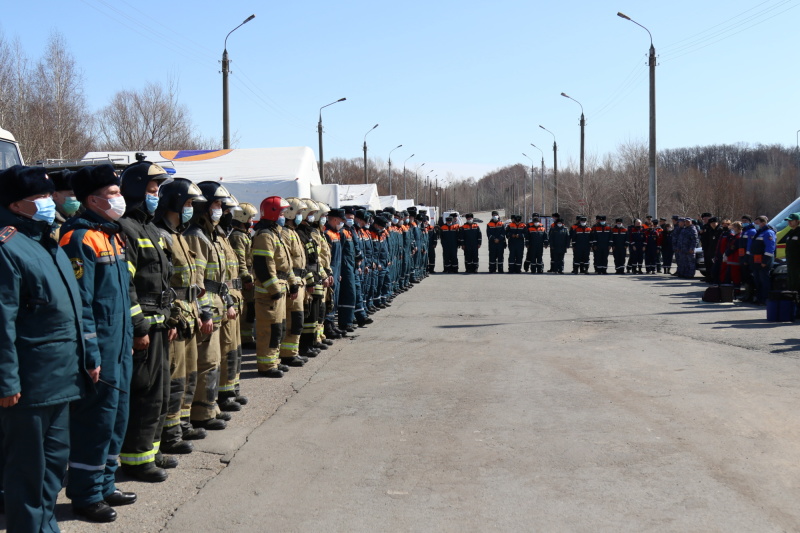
point(9, 150)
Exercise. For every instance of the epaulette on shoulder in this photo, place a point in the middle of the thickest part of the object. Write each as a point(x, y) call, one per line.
point(7, 233)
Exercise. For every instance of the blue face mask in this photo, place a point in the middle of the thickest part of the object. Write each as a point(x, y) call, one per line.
point(281, 221)
point(298, 219)
point(349, 222)
point(71, 205)
point(45, 210)
point(151, 202)
point(187, 214)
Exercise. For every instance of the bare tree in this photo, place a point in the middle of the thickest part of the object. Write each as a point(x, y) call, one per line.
point(631, 181)
point(148, 119)
point(60, 103)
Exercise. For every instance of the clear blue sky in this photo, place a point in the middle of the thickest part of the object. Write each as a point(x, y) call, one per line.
point(463, 85)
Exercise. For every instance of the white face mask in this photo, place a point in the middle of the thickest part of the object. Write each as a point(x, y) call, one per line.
point(340, 225)
point(494, 218)
point(323, 220)
point(215, 215)
point(310, 218)
point(116, 207)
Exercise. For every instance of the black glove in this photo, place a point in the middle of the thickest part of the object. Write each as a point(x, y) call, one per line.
point(277, 296)
point(293, 289)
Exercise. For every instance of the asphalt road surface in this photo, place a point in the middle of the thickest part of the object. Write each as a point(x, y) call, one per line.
point(510, 402)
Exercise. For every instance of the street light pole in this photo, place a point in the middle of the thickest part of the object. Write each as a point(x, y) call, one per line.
point(390, 166)
point(226, 128)
point(532, 204)
point(319, 131)
point(416, 170)
point(404, 176)
point(555, 168)
point(366, 175)
point(653, 184)
point(583, 124)
point(797, 191)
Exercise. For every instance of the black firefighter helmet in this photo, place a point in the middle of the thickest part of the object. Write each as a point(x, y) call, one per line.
point(176, 192)
point(213, 191)
point(136, 176)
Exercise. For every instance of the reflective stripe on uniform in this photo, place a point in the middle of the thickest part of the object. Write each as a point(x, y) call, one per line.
point(137, 458)
point(82, 466)
point(145, 243)
point(156, 319)
point(136, 310)
point(131, 269)
point(264, 253)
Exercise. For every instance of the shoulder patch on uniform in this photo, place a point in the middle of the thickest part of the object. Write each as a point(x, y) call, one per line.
point(7, 233)
point(77, 267)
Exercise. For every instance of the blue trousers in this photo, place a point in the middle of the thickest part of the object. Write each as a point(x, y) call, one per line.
point(98, 424)
point(762, 281)
point(35, 449)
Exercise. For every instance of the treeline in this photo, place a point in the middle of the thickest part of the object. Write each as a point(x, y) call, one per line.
point(43, 104)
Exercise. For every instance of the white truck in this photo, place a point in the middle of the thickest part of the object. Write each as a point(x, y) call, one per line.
point(9, 150)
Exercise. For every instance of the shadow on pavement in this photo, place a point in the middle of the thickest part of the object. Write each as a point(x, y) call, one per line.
point(790, 346)
point(748, 324)
point(471, 325)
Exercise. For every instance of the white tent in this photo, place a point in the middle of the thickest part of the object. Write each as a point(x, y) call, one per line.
point(405, 204)
point(388, 201)
point(250, 174)
point(336, 195)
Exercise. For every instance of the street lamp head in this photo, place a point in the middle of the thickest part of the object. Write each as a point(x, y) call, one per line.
point(565, 95)
point(542, 127)
point(248, 19)
point(341, 100)
point(398, 146)
point(623, 15)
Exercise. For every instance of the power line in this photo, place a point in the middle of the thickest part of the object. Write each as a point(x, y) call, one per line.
point(725, 33)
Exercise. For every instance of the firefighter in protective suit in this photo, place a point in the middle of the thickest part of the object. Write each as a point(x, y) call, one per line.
point(314, 305)
point(175, 210)
point(150, 274)
point(228, 396)
point(242, 244)
point(213, 301)
point(275, 281)
point(290, 344)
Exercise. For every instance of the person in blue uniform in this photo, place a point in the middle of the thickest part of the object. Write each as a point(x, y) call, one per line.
point(94, 243)
point(332, 232)
point(42, 369)
point(762, 251)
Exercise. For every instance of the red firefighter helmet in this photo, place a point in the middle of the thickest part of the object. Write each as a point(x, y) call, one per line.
point(272, 207)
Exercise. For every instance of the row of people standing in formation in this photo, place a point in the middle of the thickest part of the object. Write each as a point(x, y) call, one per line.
point(127, 300)
point(644, 247)
point(641, 245)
